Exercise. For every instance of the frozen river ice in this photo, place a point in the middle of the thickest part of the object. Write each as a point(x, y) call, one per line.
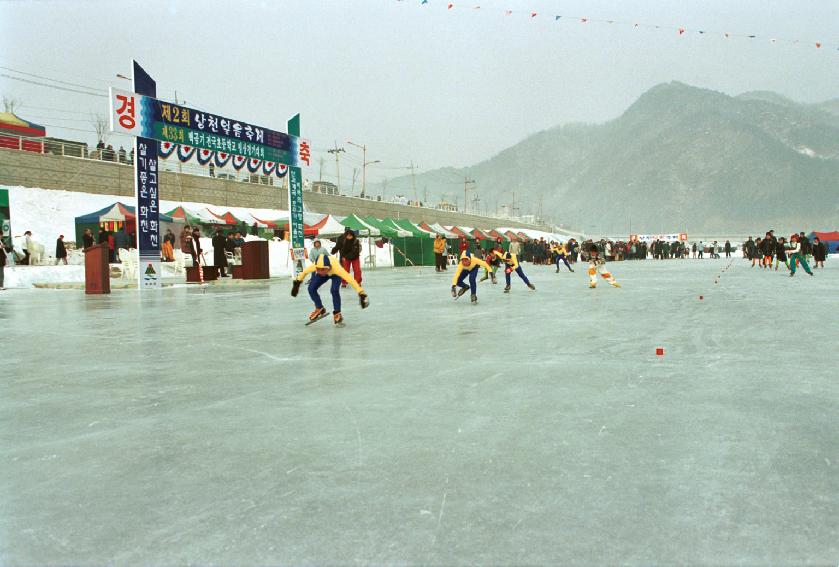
point(533, 428)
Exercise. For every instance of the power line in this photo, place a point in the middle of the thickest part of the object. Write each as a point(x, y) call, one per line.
point(52, 86)
point(48, 78)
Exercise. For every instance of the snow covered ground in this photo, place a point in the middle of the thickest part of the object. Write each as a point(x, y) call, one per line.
point(209, 426)
point(48, 213)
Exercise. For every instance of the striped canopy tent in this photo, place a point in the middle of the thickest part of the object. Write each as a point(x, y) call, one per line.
point(416, 230)
point(225, 218)
point(386, 228)
point(329, 226)
point(496, 235)
point(191, 217)
point(14, 130)
point(263, 223)
point(481, 235)
point(360, 226)
point(460, 233)
point(114, 218)
point(524, 236)
point(118, 212)
point(437, 228)
point(308, 230)
point(514, 237)
point(282, 223)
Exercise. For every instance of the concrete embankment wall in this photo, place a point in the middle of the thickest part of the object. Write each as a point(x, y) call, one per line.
point(91, 176)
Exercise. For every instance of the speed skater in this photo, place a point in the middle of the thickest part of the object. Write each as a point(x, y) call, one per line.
point(561, 253)
point(328, 268)
point(511, 264)
point(595, 264)
point(467, 267)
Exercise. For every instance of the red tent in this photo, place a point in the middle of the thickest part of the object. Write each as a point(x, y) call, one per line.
point(515, 237)
point(460, 233)
point(14, 132)
point(496, 235)
point(481, 235)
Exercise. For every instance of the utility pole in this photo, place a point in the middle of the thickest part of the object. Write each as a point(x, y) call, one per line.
point(384, 188)
point(466, 183)
point(413, 180)
point(365, 163)
point(354, 175)
point(337, 151)
point(425, 193)
point(320, 173)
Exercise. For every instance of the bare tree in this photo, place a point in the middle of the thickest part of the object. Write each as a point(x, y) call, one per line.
point(101, 126)
point(10, 104)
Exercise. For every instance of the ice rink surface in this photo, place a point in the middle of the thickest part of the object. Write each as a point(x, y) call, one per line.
point(211, 427)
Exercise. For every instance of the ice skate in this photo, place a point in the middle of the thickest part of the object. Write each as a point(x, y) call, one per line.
point(316, 315)
point(461, 291)
point(338, 319)
point(507, 288)
point(531, 286)
point(474, 298)
point(614, 283)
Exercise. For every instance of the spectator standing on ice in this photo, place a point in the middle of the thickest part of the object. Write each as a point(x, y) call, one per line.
point(781, 253)
point(317, 251)
point(219, 257)
point(727, 249)
point(87, 239)
point(168, 248)
point(515, 247)
point(27, 245)
point(186, 240)
point(349, 247)
point(4, 251)
point(440, 253)
point(195, 246)
point(60, 250)
point(819, 253)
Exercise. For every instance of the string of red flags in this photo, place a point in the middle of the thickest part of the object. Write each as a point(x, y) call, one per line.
point(681, 31)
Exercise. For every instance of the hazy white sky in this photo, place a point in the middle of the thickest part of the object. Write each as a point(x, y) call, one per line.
point(423, 83)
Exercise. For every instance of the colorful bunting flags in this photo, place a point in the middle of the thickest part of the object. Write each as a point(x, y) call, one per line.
point(682, 31)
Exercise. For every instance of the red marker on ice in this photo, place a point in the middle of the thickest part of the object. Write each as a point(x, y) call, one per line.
point(659, 351)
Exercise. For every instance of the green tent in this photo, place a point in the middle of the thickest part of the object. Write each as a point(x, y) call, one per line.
point(413, 228)
point(412, 246)
point(360, 226)
point(386, 229)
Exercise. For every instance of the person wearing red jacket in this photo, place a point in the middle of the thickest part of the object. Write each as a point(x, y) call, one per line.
point(349, 247)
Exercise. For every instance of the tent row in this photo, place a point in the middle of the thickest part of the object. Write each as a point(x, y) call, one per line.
point(413, 242)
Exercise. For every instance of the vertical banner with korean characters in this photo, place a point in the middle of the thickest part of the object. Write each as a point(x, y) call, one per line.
point(295, 204)
point(146, 188)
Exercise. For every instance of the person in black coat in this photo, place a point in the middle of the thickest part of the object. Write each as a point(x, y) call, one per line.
point(219, 257)
point(60, 250)
point(819, 253)
point(87, 238)
point(4, 250)
point(195, 246)
point(349, 247)
point(103, 236)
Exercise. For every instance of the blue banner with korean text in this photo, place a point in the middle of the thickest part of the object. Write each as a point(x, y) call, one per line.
point(148, 212)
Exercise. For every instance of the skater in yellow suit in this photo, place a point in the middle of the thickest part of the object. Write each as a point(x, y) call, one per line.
point(511, 264)
point(596, 263)
point(328, 268)
point(467, 267)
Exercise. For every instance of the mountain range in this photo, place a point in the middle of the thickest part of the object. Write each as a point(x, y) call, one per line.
point(680, 158)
